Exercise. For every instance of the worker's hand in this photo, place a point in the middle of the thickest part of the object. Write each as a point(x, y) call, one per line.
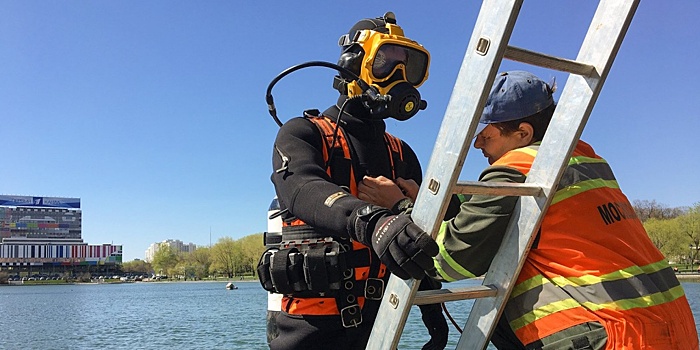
point(379, 191)
point(405, 249)
point(409, 187)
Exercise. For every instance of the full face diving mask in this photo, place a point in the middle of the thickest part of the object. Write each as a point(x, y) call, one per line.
point(390, 63)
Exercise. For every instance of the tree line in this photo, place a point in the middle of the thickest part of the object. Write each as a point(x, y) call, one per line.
point(227, 258)
point(675, 231)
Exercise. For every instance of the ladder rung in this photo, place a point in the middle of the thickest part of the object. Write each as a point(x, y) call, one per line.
point(546, 61)
point(453, 294)
point(498, 188)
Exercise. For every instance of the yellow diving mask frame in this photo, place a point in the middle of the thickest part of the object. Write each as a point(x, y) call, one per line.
point(389, 54)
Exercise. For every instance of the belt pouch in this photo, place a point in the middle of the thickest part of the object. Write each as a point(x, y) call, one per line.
point(315, 270)
point(278, 271)
point(264, 274)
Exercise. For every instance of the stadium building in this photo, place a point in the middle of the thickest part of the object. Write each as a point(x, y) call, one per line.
point(43, 235)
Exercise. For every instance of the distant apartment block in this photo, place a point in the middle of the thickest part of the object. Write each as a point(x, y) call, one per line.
point(46, 232)
point(175, 244)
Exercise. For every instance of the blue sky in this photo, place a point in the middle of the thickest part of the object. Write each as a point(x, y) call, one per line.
point(153, 112)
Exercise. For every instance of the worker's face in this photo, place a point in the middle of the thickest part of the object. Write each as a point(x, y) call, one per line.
point(494, 145)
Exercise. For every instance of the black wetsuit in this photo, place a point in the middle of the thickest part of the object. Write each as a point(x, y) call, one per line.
point(303, 188)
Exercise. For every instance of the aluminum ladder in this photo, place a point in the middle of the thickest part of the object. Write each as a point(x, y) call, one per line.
point(487, 47)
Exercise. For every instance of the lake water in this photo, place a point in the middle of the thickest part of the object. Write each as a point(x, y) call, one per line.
point(188, 315)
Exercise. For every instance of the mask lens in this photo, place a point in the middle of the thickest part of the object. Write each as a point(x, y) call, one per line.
point(389, 56)
point(386, 59)
point(416, 66)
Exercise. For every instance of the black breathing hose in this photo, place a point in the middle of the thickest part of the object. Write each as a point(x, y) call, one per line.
point(268, 96)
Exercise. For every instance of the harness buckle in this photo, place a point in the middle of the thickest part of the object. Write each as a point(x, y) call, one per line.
point(351, 316)
point(374, 289)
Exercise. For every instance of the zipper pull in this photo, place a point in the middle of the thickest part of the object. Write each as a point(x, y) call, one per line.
point(285, 161)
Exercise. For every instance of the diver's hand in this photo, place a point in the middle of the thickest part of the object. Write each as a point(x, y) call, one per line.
point(405, 249)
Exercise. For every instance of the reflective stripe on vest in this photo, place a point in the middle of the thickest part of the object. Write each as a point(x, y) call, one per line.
point(595, 263)
point(626, 289)
point(329, 306)
point(446, 267)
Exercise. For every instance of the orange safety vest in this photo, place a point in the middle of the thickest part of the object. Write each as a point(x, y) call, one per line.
point(594, 262)
point(328, 305)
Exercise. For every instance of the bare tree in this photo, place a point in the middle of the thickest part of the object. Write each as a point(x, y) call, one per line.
point(646, 210)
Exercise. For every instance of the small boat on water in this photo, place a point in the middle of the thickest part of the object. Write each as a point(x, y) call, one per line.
point(231, 286)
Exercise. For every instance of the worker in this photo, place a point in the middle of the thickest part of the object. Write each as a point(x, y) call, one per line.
point(337, 250)
point(592, 279)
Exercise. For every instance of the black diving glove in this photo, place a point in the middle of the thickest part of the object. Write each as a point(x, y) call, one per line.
point(433, 319)
point(405, 249)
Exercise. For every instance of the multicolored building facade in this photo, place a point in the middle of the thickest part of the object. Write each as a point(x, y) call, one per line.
point(45, 233)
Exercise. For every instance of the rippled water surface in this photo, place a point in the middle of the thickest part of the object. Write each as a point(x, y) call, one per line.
point(188, 315)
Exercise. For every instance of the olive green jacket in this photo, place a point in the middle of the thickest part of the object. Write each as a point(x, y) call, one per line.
point(469, 241)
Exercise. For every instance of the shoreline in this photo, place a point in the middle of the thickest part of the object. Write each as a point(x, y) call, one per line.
point(125, 282)
point(682, 277)
point(688, 277)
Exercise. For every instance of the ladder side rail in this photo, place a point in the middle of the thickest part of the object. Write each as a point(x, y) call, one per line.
point(493, 27)
point(602, 42)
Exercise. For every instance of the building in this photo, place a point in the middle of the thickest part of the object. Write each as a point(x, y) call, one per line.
point(174, 244)
point(44, 235)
